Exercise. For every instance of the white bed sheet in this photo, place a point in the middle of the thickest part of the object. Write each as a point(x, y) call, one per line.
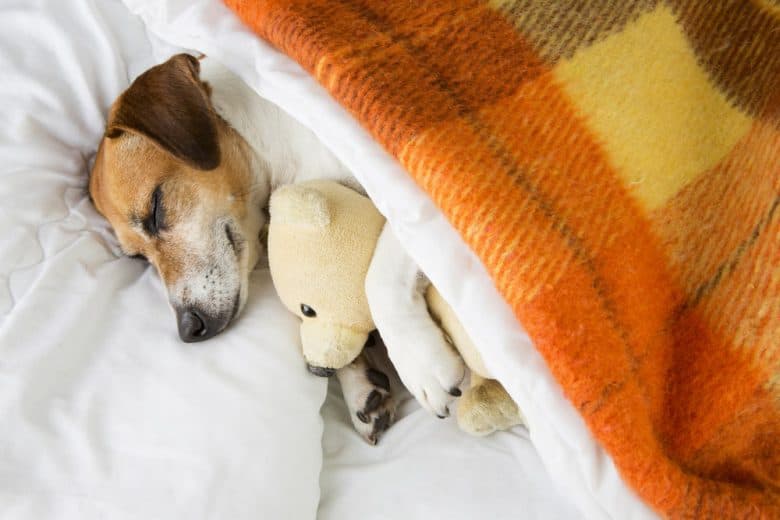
point(105, 414)
point(426, 468)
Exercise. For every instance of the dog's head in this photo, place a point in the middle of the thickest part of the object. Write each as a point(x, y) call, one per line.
point(176, 183)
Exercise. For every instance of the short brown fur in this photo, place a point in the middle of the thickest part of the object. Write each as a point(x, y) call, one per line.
point(163, 132)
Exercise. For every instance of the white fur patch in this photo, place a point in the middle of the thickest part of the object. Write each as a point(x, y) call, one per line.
point(428, 366)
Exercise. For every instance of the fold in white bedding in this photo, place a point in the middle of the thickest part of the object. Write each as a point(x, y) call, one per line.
point(427, 468)
point(106, 414)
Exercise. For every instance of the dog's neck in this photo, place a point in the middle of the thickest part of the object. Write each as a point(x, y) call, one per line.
point(286, 151)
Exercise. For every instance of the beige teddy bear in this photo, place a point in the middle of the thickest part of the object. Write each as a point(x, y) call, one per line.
point(321, 238)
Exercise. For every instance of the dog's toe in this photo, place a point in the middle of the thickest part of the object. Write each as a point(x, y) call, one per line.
point(434, 376)
point(370, 403)
point(376, 415)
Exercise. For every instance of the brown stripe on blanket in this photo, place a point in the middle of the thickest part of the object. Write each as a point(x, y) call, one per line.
point(557, 29)
point(728, 202)
point(485, 60)
point(738, 43)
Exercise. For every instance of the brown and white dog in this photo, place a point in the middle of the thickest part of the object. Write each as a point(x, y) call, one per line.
point(184, 173)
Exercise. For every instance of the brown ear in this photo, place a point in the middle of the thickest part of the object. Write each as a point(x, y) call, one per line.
point(169, 105)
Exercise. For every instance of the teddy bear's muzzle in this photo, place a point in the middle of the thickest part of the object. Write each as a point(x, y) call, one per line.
point(330, 346)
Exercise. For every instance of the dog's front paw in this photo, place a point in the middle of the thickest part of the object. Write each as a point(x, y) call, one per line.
point(429, 367)
point(369, 400)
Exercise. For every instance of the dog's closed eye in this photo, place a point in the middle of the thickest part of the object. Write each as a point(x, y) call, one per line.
point(155, 219)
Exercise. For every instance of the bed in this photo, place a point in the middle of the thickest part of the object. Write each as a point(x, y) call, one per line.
point(106, 414)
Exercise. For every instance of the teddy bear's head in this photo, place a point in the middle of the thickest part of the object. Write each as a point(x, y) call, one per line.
point(321, 238)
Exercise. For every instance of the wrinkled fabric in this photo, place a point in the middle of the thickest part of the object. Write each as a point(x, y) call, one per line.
point(578, 467)
point(104, 412)
point(614, 166)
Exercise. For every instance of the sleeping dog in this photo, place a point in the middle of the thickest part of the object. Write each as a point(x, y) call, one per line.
point(184, 173)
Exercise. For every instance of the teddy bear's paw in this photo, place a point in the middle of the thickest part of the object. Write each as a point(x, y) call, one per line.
point(369, 400)
point(486, 408)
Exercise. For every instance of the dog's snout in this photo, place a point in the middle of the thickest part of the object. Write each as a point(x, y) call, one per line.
point(321, 371)
point(195, 325)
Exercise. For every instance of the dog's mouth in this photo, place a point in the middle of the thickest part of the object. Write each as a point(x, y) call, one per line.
point(236, 306)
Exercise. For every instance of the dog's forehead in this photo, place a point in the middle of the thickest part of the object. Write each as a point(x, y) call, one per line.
point(134, 163)
point(132, 167)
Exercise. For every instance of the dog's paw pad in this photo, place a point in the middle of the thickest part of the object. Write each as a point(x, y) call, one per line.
point(371, 405)
point(378, 378)
point(376, 415)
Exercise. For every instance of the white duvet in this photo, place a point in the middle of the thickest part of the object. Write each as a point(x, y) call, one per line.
point(106, 415)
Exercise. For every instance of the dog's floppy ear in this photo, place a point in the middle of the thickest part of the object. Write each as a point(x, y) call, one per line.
point(169, 105)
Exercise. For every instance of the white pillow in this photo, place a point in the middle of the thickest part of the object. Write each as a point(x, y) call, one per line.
point(104, 412)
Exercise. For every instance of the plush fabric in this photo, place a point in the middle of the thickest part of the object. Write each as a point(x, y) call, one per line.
point(321, 238)
point(615, 165)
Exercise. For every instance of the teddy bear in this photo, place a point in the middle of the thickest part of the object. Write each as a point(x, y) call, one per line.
point(321, 238)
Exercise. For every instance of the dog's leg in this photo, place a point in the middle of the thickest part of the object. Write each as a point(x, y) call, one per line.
point(426, 363)
point(369, 399)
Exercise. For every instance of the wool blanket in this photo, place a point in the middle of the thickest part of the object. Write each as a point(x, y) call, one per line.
point(615, 165)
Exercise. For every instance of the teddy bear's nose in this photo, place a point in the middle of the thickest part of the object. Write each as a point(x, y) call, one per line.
point(320, 371)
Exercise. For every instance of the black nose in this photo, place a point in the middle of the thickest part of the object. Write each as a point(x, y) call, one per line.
point(321, 371)
point(195, 325)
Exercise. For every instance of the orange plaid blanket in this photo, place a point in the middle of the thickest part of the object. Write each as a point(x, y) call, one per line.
point(616, 166)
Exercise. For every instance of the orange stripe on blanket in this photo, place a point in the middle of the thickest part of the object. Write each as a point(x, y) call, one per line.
point(619, 343)
point(567, 167)
point(551, 301)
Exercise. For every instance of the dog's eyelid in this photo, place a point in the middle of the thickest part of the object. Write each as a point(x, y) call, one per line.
point(155, 219)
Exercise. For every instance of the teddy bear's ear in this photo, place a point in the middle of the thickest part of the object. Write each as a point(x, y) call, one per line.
point(299, 206)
